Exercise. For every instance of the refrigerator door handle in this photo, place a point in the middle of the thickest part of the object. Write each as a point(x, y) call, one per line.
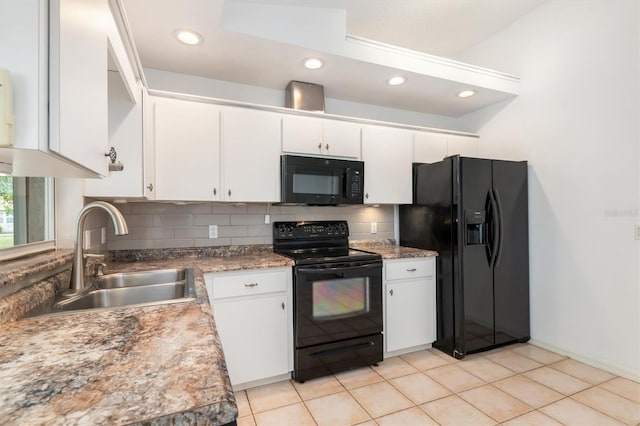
point(501, 228)
point(494, 229)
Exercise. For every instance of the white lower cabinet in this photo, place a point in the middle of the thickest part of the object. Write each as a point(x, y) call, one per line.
point(410, 309)
point(253, 316)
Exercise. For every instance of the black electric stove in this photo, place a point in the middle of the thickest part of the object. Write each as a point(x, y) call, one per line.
point(337, 293)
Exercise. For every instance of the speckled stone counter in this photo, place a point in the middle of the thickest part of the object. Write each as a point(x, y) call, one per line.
point(31, 281)
point(138, 365)
point(391, 251)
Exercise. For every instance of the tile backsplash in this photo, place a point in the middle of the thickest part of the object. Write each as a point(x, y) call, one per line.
point(173, 225)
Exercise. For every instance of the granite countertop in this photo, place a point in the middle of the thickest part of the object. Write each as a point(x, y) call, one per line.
point(154, 365)
point(388, 250)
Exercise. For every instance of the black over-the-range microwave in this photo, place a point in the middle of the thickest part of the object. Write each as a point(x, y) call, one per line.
point(321, 181)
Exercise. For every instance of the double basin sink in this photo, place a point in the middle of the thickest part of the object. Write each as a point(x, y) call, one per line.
point(131, 288)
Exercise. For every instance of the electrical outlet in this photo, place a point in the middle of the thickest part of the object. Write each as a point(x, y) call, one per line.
point(213, 231)
point(374, 227)
point(637, 232)
point(267, 219)
point(103, 235)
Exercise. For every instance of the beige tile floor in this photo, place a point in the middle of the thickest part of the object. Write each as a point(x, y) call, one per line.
point(515, 385)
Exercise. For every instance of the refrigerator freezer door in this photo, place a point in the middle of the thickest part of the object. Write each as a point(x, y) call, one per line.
point(477, 274)
point(428, 224)
point(511, 272)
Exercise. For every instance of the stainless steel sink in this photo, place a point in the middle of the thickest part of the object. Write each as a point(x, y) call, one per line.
point(143, 278)
point(133, 288)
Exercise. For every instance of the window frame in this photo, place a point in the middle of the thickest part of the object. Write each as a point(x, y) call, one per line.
point(37, 247)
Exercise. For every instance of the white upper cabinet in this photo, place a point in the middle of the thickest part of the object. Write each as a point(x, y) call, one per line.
point(187, 150)
point(56, 53)
point(387, 154)
point(317, 136)
point(466, 146)
point(341, 138)
point(429, 147)
point(78, 82)
point(125, 136)
point(251, 155)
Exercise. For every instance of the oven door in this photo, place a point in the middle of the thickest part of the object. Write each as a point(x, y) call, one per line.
point(337, 301)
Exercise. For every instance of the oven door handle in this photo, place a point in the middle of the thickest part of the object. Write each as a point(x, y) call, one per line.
point(345, 268)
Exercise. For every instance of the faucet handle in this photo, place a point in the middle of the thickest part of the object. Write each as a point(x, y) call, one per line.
point(95, 262)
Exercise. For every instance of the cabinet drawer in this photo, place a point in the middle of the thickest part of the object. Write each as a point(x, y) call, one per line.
point(403, 270)
point(249, 284)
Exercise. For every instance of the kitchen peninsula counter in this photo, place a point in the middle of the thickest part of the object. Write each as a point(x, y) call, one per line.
point(157, 365)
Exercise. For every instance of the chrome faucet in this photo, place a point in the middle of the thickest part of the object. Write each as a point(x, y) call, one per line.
point(78, 268)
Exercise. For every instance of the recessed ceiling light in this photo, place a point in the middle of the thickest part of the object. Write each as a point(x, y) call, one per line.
point(466, 93)
point(396, 81)
point(188, 37)
point(313, 63)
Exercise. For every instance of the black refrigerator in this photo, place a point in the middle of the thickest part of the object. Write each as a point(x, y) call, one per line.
point(474, 212)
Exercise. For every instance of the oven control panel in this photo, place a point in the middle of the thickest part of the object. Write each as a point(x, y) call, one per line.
point(309, 230)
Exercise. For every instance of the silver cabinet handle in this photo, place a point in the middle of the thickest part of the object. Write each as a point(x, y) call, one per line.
point(251, 285)
point(366, 195)
point(282, 305)
point(215, 191)
point(411, 269)
point(150, 187)
point(391, 292)
point(112, 154)
point(320, 146)
point(229, 193)
point(327, 147)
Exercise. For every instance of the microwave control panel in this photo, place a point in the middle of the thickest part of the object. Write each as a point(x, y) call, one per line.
point(355, 184)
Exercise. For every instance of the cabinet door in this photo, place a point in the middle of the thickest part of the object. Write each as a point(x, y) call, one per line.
point(429, 147)
point(78, 82)
point(302, 135)
point(187, 150)
point(149, 146)
point(125, 135)
point(341, 138)
point(253, 332)
point(387, 154)
point(410, 314)
point(465, 146)
point(251, 155)
point(22, 33)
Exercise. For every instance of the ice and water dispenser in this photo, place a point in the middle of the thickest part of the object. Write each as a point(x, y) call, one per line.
point(476, 227)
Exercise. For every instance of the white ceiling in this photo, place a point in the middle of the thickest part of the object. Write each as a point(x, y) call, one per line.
point(435, 27)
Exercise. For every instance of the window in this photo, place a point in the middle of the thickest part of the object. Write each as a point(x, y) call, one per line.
point(26, 206)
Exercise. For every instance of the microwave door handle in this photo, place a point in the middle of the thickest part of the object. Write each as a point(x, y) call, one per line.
point(346, 181)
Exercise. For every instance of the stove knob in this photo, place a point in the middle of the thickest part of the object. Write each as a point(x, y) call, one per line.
point(342, 228)
point(282, 229)
point(330, 229)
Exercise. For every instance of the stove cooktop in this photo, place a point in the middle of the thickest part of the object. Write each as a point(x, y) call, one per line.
point(327, 255)
point(315, 242)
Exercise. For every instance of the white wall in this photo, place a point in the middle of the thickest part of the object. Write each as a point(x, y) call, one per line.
point(576, 121)
point(183, 83)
